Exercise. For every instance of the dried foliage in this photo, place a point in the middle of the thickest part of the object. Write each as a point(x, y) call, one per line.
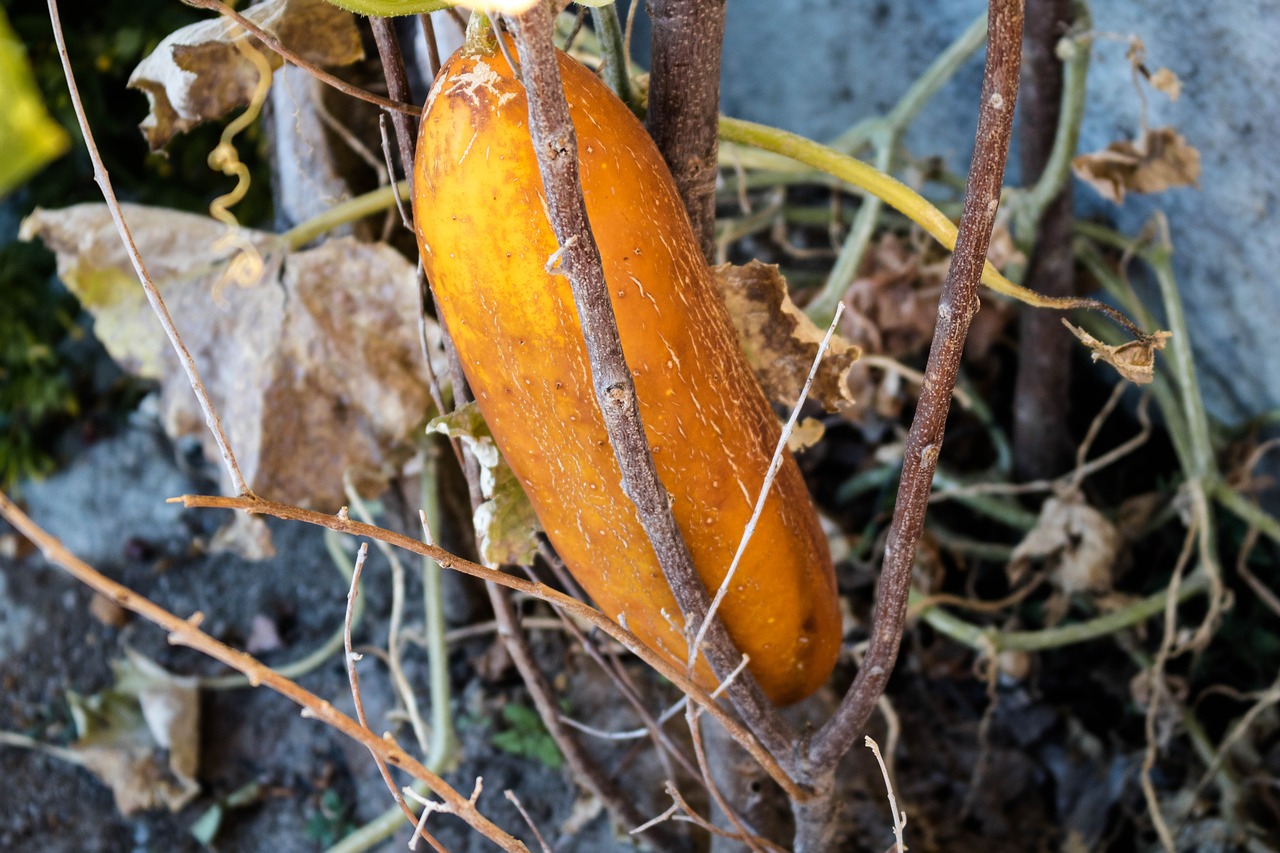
point(306, 353)
point(1159, 159)
point(200, 72)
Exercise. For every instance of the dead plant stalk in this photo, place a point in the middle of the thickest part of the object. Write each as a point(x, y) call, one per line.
point(186, 632)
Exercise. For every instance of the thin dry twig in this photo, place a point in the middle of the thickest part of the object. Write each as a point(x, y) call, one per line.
point(405, 218)
point(311, 68)
point(584, 767)
point(775, 463)
point(1260, 589)
point(899, 817)
point(342, 524)
point(555, 144)
point(615, 671)
point(958, 304)
point(148, 286)
point(430, 807)
point(515, 801)
point(1071, 480)
point(351, 659)
point(394, 662)
point(682, 811)
point(704, 770)
point(1262, 700)
point(186, 632)
point(1157, 687)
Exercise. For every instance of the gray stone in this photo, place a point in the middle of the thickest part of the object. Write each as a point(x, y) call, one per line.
point(818, 66)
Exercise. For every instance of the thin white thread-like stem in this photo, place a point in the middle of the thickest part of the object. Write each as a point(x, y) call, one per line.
point(103, 180)
point(774, 464)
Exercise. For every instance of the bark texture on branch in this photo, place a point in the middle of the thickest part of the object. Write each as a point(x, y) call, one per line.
point(924, 442)
point(1041, 438)
point(555, 144)
point(684, 102)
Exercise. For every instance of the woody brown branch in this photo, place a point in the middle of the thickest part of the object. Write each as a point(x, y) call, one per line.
point(958, 304)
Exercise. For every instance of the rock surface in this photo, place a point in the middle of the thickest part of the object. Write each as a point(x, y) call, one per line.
point(819, 66)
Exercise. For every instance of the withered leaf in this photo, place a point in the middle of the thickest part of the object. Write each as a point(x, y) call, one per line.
point(1078, 544)
point(807, 433)
point(1157, 160)
point(125, 731)
point(198, 74)
point(1134, 360)
point(314, 363)
point(506, 526)
point(780, 341)
point(1164, 80)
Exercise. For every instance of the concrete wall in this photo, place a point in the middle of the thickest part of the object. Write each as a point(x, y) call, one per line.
point(818, 66)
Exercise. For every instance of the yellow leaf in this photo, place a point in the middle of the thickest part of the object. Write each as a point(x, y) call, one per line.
point(29, 138)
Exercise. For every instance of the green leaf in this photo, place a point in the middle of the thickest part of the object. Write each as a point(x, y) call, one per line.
point(29, 138)
point(528, 737)
point(392, 8)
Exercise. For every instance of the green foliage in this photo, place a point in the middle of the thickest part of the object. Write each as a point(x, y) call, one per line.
point(527, 737)
point(35, 387)
point(329, 824)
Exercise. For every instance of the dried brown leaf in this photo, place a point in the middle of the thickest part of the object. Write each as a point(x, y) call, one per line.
point(1157, 160)
point(807, 433)
point(780, 340)
point(126, 732)
point(198, 74)
point(1134, 360)
point(1077, 543)
point(893, 303)
point(1164, 80)
point(315, 366)
point(107, 611)
point(506, 526)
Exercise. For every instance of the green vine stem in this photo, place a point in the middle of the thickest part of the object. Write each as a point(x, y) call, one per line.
point(351, 210)
point(615, 68)
point(991, 641)
point(885, 134)
point(904, 199)
point(1029, 205)
point(1180, 402)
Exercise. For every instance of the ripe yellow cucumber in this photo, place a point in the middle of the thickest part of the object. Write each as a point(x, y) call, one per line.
point(485, 239)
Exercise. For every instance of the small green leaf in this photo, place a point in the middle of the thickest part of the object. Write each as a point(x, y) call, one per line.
point(528, 737)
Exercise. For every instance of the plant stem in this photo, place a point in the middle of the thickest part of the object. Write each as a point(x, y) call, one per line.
point(186, 632)
point(154, 299)
point(992, 640)
point(351, 210)
point(570, 605)
point(900, 197)
point(958, 304)
point(1052, 108)
point(314, 70)
point(443, 746)
point(684, 99)
point(384, 36)
point(616, 69)
point(886, 133)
